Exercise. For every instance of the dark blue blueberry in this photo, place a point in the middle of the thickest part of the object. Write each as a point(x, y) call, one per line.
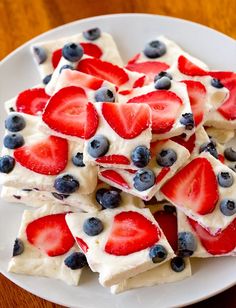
point(141, 156)
point(13, 141)
point(158, 253)
point(66, 184)
point(40, 54)
point(155, 49)
point(216, 83)
point(209, 147)
point(166, 158)
point(15, 122)
point(144, 179)
point(186, 244)
point(66, 66)
point(60, 197)
point(177, 264)
point(92, 34)
point(7, 164)
point(72, 52)
point(162, 74)
point(98, 146)
point(187, 120)
point(163, 83)
point(110, 199)
point(230, 154)
point(93, 226)
point(169, 208)
point(99, 194)
point(228, 207)
point(77, 160)
point(47, 79)
point(76, 260)
point(225, 179)
point(18, 247)
point(104, 94)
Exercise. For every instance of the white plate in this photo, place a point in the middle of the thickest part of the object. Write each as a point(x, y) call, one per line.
point(131, 31)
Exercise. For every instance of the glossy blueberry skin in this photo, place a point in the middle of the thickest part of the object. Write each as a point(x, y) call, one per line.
point(187, 120)
point(98, 146)
point(40, 54)
point(144, 179)
point(177, 264)
point(93, 226)
point(164, 83)
point(216, 83)
point(72, 52)
point(230, 154)
point(228, 207)
point(66, 184)
point(162, 74)
point(155, 49)
point(18, 248)
point(186, 244)
point(99, 194)
point(158, 253)
point(110, 199)
point(76, 260)
point(77, 160)
point(47, 79)
point(65, 67)
point(92, 34)
point(209, 147)
point(7, 164)
point(13, 141)
point(225, 179)
point(166, 158)
point(104, 94)
point(140, 156)
point(15, 122)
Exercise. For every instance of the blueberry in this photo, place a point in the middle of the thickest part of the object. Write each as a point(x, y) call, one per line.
point(76, 260)
point(140, 156)
point(144, 179)
point(158, 253)
point(225, 179)
point(166, 158)
point(60, 197)
point(66, 184)
point(164, 83)
point(230, 154)
point(98, 146)
point(155, 49)
point(228, 207)
point(93, 226)
point(66, 66)
point(209, 147)
point(7, 164)
point(216, 83)
point(99, 194)
point(162, 74)
point(186, 244)
point(177, 264)
point(72, 52)
point(92, 34)
point(40, 54)
point(15, 122)
point(104, 94)
point(47, 79)
point(110, 199)
point(187, 120)
point(169, 208)
point(13, 141)
point(77, 160)
point(18, 247)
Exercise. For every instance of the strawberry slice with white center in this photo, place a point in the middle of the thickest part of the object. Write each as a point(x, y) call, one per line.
point(72, 77)
point(104, 70)
point(131, 232)
point(69, 113)
point(48, 156)
point(193, 187)
point(113, 159)
point(50, 234)
point(32, 101)
point(165, 107)
point(149, 68)
point(127, 120)
point(188, 68)
point(222, 242)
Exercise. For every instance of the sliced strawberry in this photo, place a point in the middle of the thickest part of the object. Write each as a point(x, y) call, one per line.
point(115, 177)
point(162, 174)
point(56, 57)
point(48, 156)
point(125, 92)
point(83, 246)
point(81, 79)
point(127, 120)
point(193, 187)
point(131, 171)
point(188, 144)
point(92, 50)
point(221, 243)
point(224, 77)
point(139, 82)
point(149, 68)
point(68, 112)
point(228, 108)
point(103, 70)
point(168, 224)
point(134, 59)
point(50, 234)
point(188, 68)
point(131, 232)
point(113, 159)
point(197, 95)
point(32, 101)
point(221, 158)
point(165, 106)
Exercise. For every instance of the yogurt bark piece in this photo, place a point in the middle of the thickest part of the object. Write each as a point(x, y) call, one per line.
point(122, 243)
point(37, 252)
point(221, 136)
point(45, 162)
point(158, 171)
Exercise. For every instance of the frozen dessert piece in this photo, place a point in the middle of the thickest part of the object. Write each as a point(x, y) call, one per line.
point(220, 135)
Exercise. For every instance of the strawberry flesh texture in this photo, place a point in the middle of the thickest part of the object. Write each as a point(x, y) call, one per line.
point(188, 144)
point(83, 246)
point(162, 174)
point(113, 159)
point(83, 80)
point(188, 68)
point(149, 68)
point(115, 177)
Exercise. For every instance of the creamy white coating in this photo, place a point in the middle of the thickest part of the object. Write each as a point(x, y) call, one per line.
point(220, 135)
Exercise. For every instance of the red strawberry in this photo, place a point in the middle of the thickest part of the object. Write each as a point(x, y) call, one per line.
point(127, 120)
point(149, 68)
point(188, 144)
point(165, 106)
point(224, 77)
point(48, 156)
point(221, 243)
point(221, 158)
point(68, 112)
point(168, 224)
point(113, 159)
point(228, 108)
point(193, 187)
point(115, 177)
point(91, 50)
point(197, 95)
point(162, 174)
point(56, 57)
point(139, 82)
point(186, 67)
point(134, 59)
point(83, 246)
point(103, 70)
point(32, 101)
point(72, 77)
point(50, 234)
point(131, 232)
